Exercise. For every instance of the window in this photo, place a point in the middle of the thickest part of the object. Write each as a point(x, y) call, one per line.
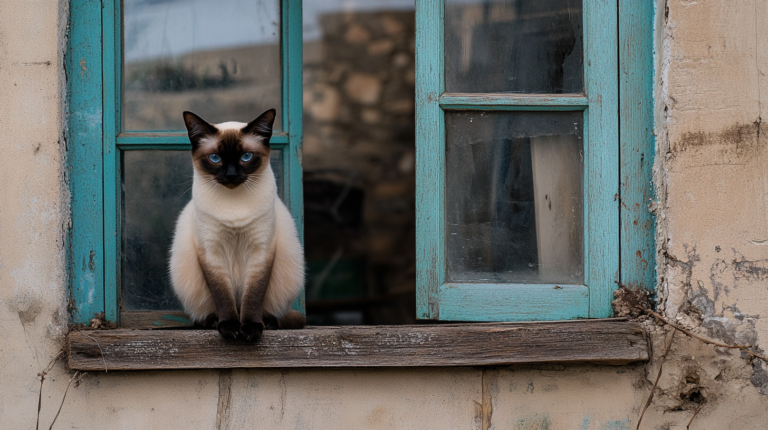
point(518, 160)
point(134, 66)
point(504, 130)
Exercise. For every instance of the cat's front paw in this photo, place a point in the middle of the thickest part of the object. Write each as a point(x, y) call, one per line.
point(229, 329)
point(208, 323)
point(270, 322)
point(251, 331)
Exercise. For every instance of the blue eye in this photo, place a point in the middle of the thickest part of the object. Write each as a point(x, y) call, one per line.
point(214, 158)
point(247, 156)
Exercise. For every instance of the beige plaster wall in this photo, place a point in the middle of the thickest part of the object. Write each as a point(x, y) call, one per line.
point(32, 202)
point(712, 185)
point(712, 179)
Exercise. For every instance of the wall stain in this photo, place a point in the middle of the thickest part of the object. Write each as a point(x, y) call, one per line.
point(478, 414)
point(380, 417)
point(489, 388)
point(730, 324)
point(536, 422)
point(283, 393)
point(225, 399)
point(751, 271)
point(530, 388)
point(743, 136)
point(585, 423)
point(29, 311)
point(616, 425)
point(686, 273)
point(759, 378)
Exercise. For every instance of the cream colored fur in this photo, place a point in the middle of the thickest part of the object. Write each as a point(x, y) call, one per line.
point(238, 228)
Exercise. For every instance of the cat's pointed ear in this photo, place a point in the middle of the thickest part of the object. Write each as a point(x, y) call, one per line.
point(197, 128)
point(262, 126)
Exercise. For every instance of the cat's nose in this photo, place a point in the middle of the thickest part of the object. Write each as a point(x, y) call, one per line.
point(231, 172)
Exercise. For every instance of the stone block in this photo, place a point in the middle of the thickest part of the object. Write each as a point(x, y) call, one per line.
point(363, 88)
point(322, 102)
point(356, 34)
point(370, 116)
point(402, 106)
point(392, 25)
point(381, 47)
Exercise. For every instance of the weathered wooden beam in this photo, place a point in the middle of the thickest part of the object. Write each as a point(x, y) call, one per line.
point(606, 341)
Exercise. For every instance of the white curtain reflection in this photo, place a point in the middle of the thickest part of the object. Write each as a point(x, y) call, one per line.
point(557, 200)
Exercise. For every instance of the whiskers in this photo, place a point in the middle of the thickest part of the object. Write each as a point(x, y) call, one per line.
point(190, 182)
point(208, 183)
point(255, 186)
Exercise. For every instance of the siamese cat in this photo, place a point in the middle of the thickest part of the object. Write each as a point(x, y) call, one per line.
point(236, 261)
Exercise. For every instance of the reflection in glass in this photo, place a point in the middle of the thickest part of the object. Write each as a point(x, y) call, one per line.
point(219, 59)
point(514, 197)
point(359, 160)
point(517, 46)
point(156, 185)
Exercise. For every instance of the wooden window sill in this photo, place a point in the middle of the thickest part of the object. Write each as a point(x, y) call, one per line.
point(611, 341)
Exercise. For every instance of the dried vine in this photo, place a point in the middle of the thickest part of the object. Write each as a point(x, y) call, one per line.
point(636, 303)
point(743, 348)
point(42, 375)
point(76, 377)
point(656, 383)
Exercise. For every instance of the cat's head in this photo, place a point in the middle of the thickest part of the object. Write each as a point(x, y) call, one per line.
point(232, 151)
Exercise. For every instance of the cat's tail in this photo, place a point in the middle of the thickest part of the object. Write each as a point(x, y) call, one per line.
point(292, 320)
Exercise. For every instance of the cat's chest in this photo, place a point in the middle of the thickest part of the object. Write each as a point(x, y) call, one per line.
point(256, 236)
point(235, 223)
point(241, 217)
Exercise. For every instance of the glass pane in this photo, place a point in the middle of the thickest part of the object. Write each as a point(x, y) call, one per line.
point(515, 46)
point(156, 186)
point(359, 161)
point(219, 59)
point(514, 197)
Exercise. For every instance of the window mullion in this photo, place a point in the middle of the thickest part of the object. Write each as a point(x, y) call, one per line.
point(495, 101)
point(430, 159)
point(601, 205)
point(176, 140)
point(111, 65)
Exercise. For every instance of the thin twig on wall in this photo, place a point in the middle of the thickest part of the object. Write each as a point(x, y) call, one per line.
point(42, 375)
point(688, 427)
point(74, 377)
point(743, 348)
point(656, 383)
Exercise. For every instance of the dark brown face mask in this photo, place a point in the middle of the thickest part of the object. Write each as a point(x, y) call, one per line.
point(230, 156)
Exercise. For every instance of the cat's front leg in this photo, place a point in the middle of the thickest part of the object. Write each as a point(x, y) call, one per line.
point(251, 314)
point(219, 283)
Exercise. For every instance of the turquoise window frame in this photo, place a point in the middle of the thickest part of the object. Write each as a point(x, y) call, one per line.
point(618, 123)
point(95, 143)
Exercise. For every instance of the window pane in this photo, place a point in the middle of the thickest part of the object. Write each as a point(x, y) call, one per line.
point(156, 185)
point(516, 46)
point(514, 197)
point(359, 161)
point(219, 59)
